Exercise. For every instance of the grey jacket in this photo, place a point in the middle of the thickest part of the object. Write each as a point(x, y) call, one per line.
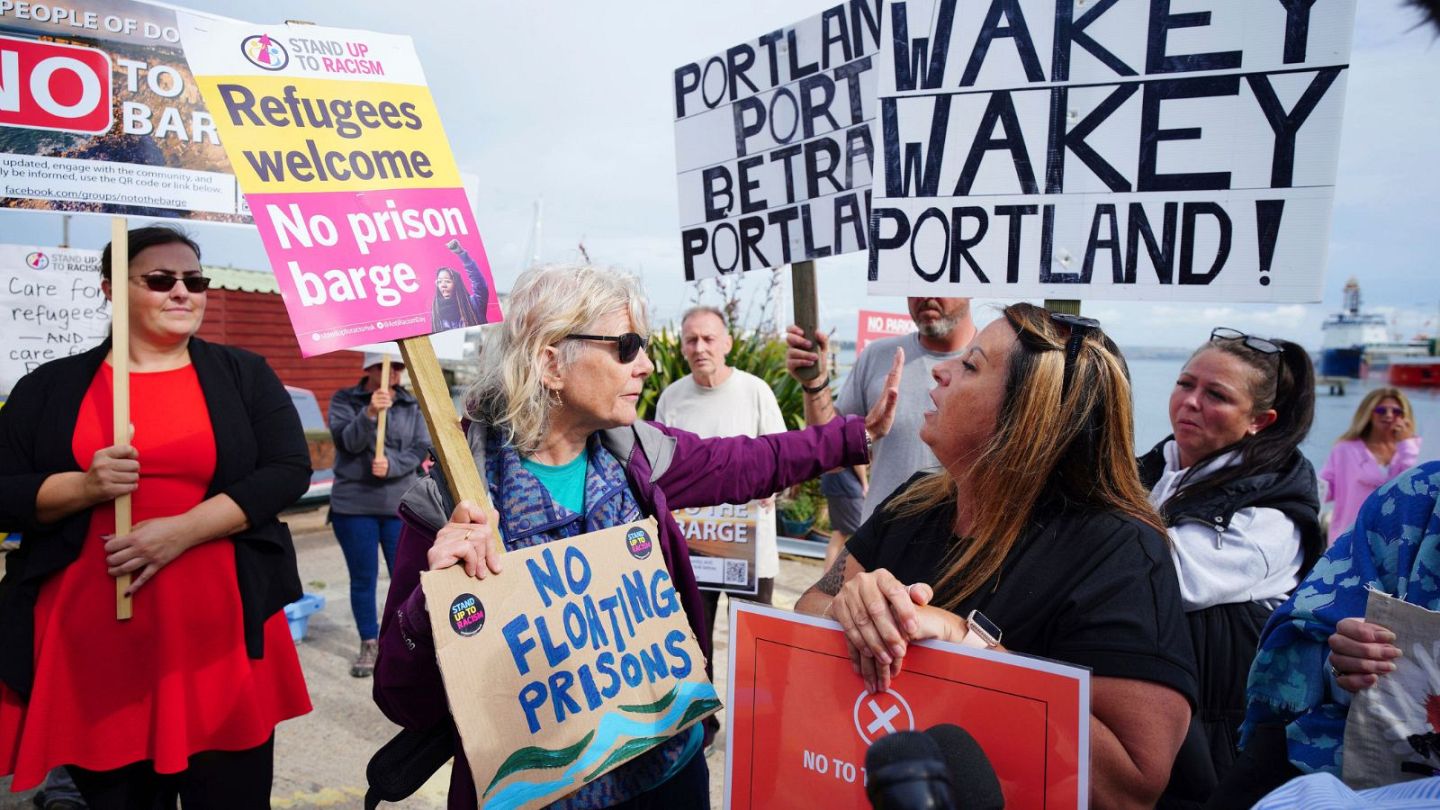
point(407, 442)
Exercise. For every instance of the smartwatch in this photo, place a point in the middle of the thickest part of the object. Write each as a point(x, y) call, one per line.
point(983, 633)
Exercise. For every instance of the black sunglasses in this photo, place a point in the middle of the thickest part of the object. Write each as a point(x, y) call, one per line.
point(1258, 344)
point(1080, 326)
point(164, 282)
point(630, 343)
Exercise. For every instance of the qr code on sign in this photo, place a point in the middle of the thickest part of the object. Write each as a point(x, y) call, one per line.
point(737, 572)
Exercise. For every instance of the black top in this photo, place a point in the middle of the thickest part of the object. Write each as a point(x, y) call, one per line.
point(261, 461)
point(1095, 589)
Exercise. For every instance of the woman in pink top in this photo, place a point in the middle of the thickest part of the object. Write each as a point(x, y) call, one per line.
point(1380, 444)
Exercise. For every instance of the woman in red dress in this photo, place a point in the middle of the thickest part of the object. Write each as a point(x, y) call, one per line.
point(183, 698)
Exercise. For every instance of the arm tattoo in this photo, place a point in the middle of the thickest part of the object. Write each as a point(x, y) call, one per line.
point(835, 577)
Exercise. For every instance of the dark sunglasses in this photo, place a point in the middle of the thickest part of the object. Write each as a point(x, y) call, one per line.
point(164, 282)
point(630, 343)
point(1389, 410)
point(1080, 326)
point(1258, 344)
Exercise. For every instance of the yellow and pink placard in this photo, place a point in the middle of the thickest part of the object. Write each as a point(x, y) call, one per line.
point(340, 152)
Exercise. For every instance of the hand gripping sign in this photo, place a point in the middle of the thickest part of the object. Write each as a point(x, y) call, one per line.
point(585, 657)
point(801, 720)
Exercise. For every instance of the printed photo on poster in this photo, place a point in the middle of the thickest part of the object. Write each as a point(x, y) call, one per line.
point(103, 116)
point(723, 541)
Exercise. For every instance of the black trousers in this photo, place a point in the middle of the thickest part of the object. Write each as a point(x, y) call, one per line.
point(222, 780)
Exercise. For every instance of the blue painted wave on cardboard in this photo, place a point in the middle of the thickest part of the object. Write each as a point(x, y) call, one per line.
point(615, 727)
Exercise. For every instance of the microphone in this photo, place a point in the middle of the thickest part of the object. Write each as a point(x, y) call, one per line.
point(972, 779)
point(906, 771)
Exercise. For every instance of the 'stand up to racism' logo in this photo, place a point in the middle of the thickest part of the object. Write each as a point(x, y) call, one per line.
point(638, 541)
point(467, 614)
point(264, 52)
point(37, 261)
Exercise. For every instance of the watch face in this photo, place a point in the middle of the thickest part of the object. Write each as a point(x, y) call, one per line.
point(982, 624)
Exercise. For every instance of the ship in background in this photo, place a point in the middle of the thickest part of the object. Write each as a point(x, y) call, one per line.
point(1359, 342)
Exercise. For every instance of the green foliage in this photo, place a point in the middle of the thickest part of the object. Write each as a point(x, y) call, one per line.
point(759, 354)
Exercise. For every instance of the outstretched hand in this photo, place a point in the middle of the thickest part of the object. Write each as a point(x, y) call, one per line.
point(882, 414)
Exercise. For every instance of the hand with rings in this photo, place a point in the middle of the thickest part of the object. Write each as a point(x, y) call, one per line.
point(466, 538)
point(1360, 652)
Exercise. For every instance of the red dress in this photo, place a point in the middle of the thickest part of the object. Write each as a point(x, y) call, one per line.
point(175, 679)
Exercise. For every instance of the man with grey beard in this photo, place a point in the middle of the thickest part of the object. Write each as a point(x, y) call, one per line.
point(945, 329)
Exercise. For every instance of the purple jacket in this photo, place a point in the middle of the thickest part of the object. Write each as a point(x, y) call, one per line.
point(667, 469)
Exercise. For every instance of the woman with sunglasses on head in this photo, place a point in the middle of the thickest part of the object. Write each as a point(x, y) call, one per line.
point(1065, 561)
point(554, 431)
point(1380, 444)
point(183, 698)
point(1240, 503)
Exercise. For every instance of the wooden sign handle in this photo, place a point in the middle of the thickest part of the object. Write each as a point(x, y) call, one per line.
point(1068, 306)
point(807, 311)
point(380, 421)
point(120, 365)
point(451, 446)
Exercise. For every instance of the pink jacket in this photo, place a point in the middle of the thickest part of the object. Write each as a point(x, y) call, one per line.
point(1351, 473)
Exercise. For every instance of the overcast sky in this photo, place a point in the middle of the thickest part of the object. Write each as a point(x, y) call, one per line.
point(571, 102)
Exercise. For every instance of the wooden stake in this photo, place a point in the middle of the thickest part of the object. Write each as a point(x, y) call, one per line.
point(807, 312)
point(120, 365)
point(451, 447)
point(1069, 306)
point(380, 422)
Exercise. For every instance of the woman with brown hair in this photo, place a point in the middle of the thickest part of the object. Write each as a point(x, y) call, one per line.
point(1036, 523)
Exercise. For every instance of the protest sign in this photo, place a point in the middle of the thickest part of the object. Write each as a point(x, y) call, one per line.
point(576, 659)
point(722, 542)
point(800, 719)
point(876, 325)
point(773, 144)
point(1392, 732)
point(50, 307)
point(341, 154)
point(1121, 150)
point(100, 114)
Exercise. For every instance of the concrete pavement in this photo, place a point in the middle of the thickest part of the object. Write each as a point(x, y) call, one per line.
point(320, 758)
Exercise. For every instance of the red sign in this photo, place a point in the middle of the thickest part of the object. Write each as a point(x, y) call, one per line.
point(45, 85)
point(876, 325)
point(801, 720)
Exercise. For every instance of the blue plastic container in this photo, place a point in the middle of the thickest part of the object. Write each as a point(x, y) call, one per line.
point(298, 613)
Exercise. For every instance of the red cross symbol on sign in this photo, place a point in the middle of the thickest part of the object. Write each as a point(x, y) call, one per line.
point(880, 714)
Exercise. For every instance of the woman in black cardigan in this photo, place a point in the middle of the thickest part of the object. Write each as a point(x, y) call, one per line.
point(183, 698)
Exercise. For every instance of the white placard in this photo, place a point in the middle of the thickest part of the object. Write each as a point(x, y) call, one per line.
point(50, 307)
point(774, 146)
point(1120, 149)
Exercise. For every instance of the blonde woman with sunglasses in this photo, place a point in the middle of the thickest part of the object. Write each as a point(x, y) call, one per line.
point(1379, 445)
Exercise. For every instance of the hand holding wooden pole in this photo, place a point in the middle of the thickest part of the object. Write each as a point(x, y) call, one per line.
point(807, 312)
point(120, 365)
point(380, 420)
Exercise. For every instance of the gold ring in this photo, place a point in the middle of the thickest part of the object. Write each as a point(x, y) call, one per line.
point(1336, 672)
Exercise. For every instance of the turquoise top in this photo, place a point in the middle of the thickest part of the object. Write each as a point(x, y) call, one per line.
point(565, 482)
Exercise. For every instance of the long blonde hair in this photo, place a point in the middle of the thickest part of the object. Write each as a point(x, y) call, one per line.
point(546, 304)
point(1360, 422)
point(1073, 450)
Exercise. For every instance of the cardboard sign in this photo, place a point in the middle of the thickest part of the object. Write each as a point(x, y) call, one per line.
point(340, 151)
point(575, 660)
point(1392, 733)
point(876, 325)
point(50, 307)
point(1125, 150)
point(722, 542)
point(773, 144)
point(102, 115)
point(800, 719)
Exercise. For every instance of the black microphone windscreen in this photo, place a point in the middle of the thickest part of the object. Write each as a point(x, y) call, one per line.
point(971, 775)
point(902, 746)
point(906, 771)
